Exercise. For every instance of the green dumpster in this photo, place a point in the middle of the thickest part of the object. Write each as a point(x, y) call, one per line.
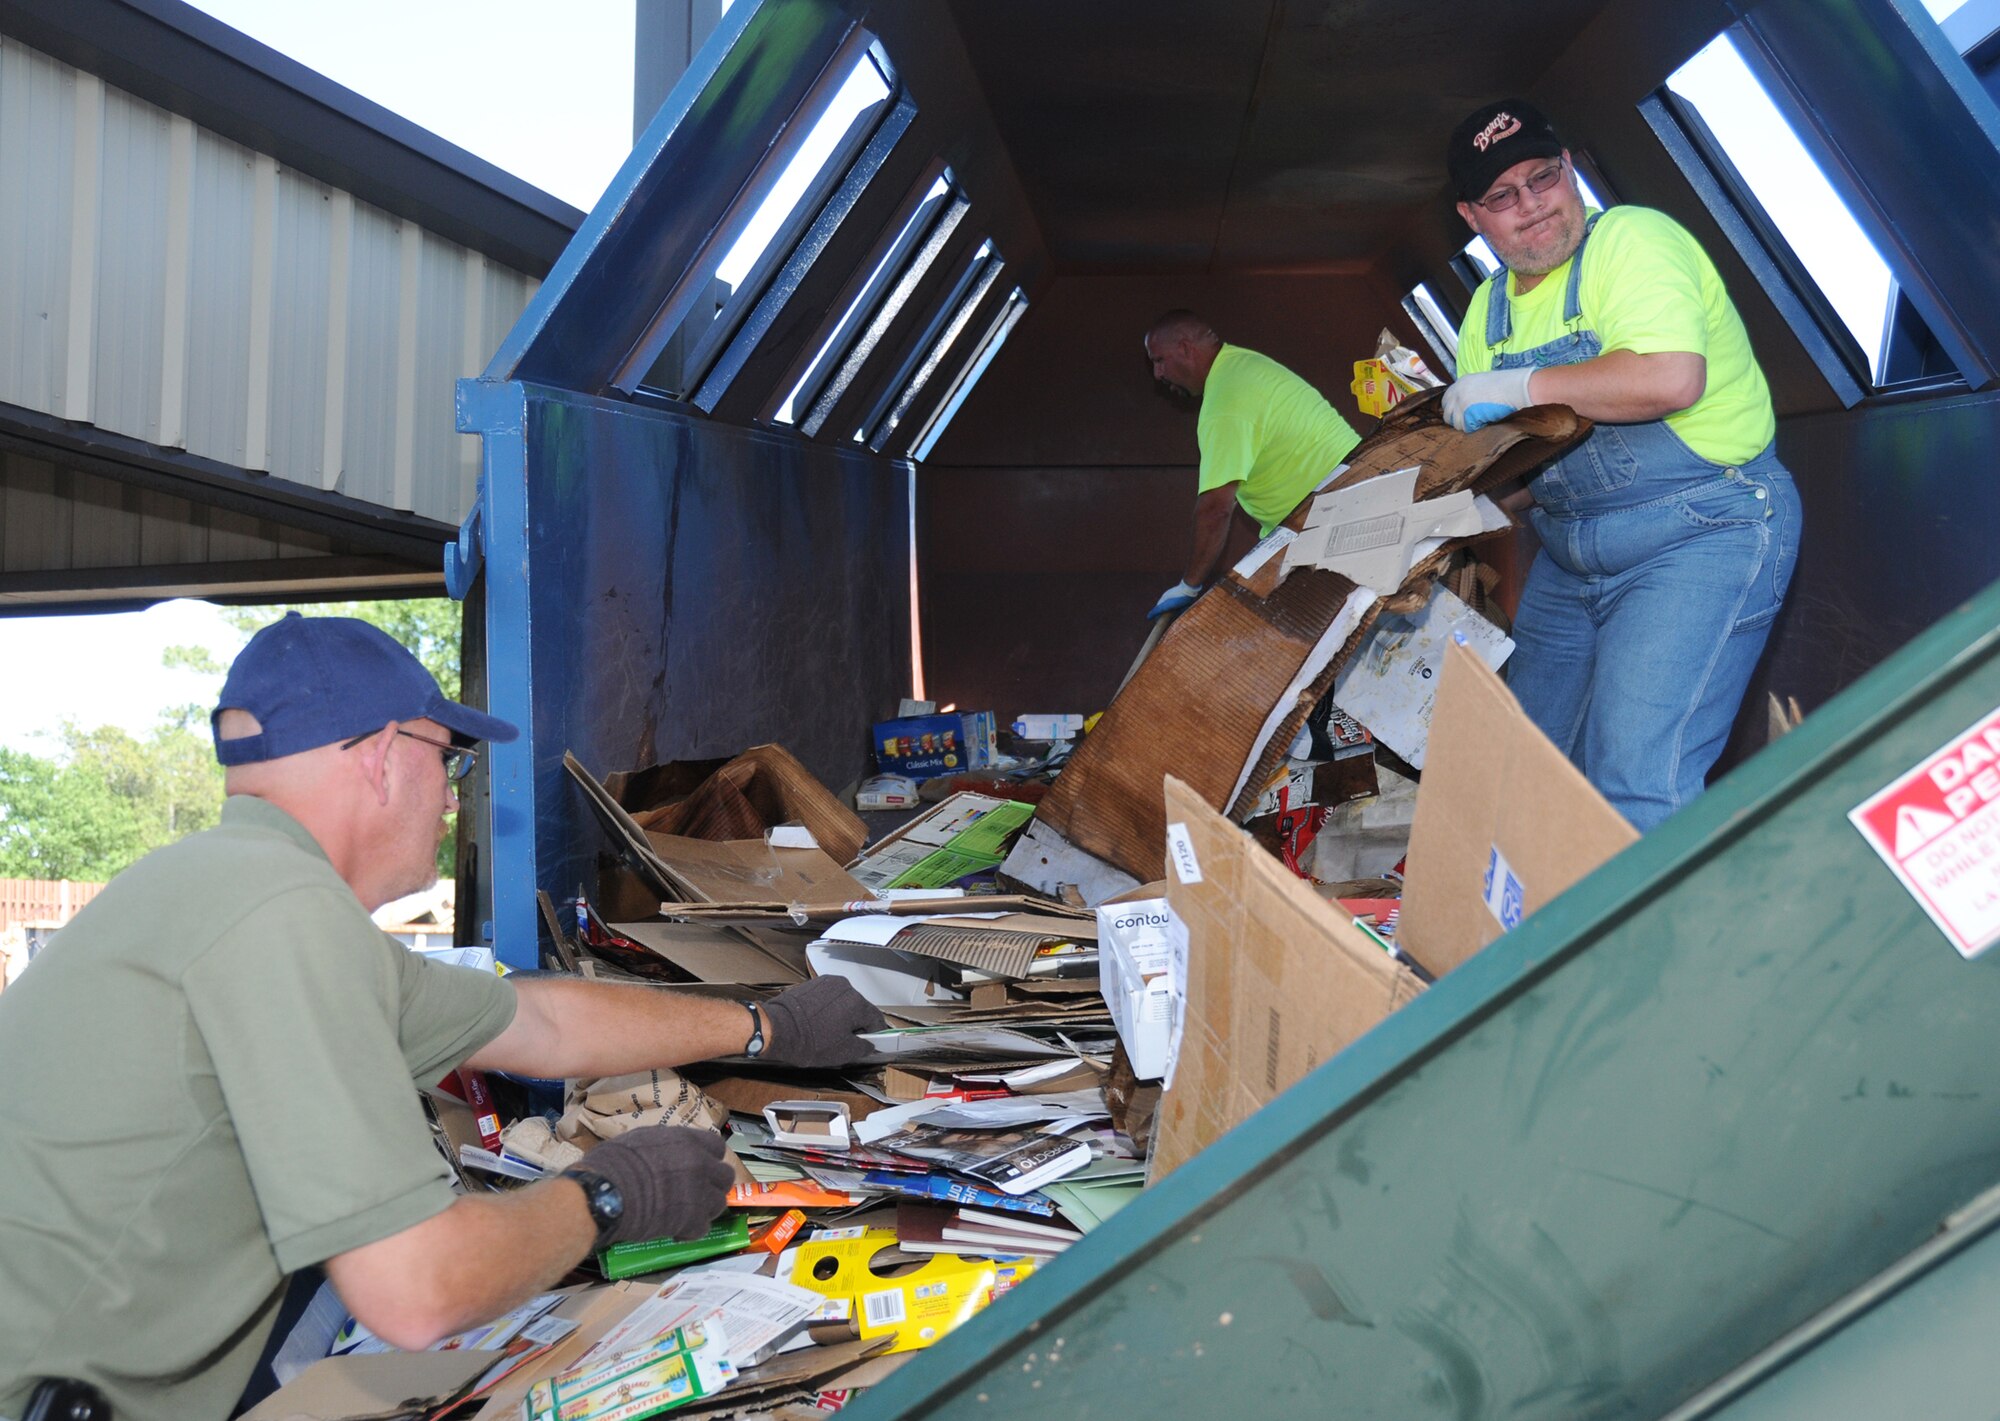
point(1712, 1091)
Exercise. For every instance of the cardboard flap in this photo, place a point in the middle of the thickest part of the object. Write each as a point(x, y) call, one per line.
point(760, 789)
point(712, 954)
point(373, 1387)
point(740, 870)
point(1279, 980)
point(1504, 821)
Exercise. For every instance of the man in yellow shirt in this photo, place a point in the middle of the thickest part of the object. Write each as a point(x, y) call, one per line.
point(1267, 439)
point(1669, 535)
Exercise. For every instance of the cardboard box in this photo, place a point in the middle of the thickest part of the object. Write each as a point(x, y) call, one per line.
point(1504, 821)
point(925, 746)
point(1279, 980)
point(1142, 960)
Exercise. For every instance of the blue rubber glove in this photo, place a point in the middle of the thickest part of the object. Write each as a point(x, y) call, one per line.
point(1177, 598)
point(1474, 401)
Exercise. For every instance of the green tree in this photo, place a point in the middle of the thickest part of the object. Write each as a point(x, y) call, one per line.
point(109, 799)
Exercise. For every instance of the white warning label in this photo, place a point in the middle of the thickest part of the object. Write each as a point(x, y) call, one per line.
point(1938, 827)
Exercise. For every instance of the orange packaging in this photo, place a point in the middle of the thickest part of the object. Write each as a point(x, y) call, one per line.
point(773, 1237)
point(787, 1194)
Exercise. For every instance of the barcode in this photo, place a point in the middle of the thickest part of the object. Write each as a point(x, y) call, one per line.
point(882, 1309)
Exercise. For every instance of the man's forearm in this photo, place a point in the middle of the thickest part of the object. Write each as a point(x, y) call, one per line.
point(1623, 387)
point(1212, 513)
point(568, 1029)
point(483, 1255)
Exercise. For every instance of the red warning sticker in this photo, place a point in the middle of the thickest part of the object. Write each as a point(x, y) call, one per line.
point(1938, 828)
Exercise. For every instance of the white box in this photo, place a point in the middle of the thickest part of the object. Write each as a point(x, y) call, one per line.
point(1142, 965)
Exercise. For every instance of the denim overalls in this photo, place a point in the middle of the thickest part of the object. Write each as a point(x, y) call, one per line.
point(1659, 577)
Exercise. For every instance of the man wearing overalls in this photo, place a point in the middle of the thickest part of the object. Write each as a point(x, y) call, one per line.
point(1668, 536)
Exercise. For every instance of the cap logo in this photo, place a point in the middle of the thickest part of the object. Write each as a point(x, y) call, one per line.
point(1501, 125)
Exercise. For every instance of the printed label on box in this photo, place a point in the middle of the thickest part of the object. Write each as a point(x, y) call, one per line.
point(1506, 899)
point(1180, 849)
point(1938, 829)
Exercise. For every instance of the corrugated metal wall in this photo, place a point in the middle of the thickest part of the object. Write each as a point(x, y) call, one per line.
point(161, 282)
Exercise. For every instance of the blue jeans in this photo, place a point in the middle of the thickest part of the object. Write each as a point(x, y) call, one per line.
point(1647, 609)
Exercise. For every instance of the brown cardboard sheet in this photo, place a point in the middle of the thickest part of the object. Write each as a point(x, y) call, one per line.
point(1279, 981)
point(1496, 793)
point(1202, 705)
point(685, 868)
point(737, 870)
point(760, 789)
point(368, 1388)
point(709, 954)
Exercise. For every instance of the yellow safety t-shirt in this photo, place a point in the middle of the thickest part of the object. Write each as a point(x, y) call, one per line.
point(1268, 432)
point(1647, 287)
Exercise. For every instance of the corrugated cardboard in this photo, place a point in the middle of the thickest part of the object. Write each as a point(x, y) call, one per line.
point(704, 870)
point(1233, 679)
point(1496, 794)
point(760, 789)
point(369, 1388)
point(1278, 979)
point(717, 955)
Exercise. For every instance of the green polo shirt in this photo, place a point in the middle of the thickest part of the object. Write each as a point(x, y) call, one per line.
point(208, 1084)
point(1268, 432)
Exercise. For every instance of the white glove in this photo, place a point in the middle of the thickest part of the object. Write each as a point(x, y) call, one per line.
point(1474, 401)
point(1177, 598)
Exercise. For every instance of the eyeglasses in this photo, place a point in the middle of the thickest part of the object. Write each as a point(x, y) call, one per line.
point(1500, 199)
point(458, 760)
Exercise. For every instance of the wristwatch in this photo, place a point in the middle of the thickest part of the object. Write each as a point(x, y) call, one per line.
point(606, 1203)
point(755, 1045)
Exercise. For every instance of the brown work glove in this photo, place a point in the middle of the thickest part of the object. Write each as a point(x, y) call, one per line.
point(673, 1180)
point(815, 1024)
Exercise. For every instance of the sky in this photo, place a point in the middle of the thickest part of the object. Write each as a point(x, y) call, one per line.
point(541, 88)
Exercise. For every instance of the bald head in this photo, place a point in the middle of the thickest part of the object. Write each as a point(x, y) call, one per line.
point(1182, 346)
point(1183, 324)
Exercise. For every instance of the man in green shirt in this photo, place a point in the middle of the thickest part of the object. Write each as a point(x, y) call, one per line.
point(209, 1073)
point(1267, 439)
point(1669, 535)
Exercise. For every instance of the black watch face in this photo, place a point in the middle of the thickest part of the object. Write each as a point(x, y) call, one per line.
point(607, 1205)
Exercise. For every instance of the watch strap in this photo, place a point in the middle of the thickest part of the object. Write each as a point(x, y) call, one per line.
point(604, 1200)
point(754, 1047)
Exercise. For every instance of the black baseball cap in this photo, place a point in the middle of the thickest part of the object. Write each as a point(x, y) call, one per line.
point(1493, 139)
point(312, 681)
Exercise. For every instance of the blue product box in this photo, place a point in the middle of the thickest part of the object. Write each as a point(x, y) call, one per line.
point(926, 746)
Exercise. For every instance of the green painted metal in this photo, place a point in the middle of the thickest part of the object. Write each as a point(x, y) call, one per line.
point(1926, 1350)
point(1710, 1091)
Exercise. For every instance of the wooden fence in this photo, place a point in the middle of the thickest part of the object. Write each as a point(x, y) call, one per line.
point(42, 900)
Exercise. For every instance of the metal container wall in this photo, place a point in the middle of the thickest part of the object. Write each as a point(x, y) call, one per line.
point(1728, 1078)
point(660, 587)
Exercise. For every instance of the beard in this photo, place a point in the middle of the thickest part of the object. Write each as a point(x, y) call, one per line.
point(1543, 247)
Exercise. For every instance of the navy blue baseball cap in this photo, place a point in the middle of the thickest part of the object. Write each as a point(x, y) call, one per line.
point(312, 681)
